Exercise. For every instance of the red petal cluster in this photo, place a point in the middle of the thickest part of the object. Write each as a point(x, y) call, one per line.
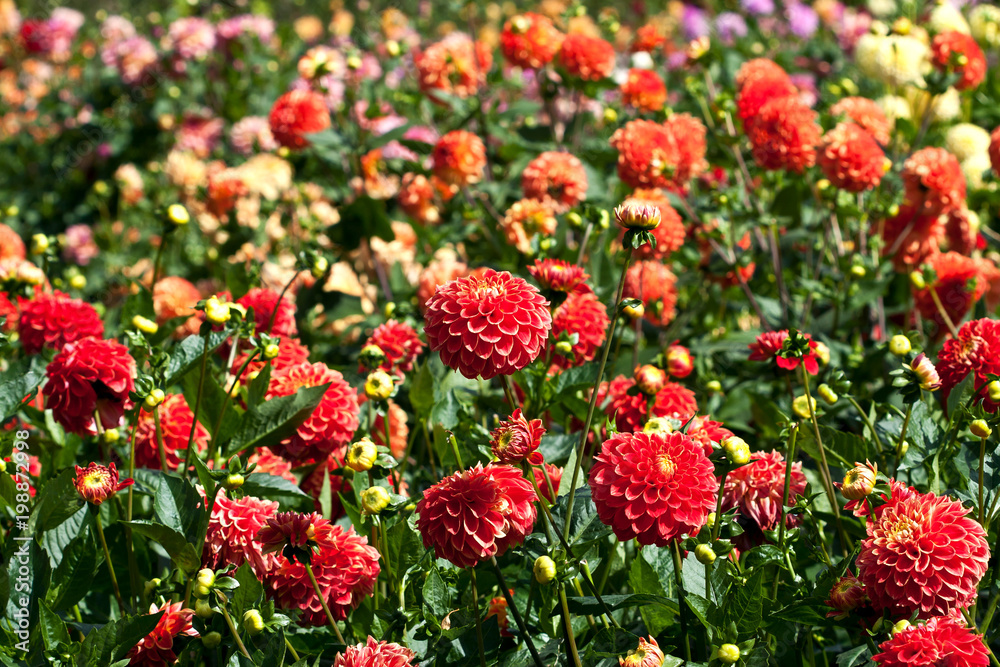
point(585, 57)
point(296, 114)
point(97, 483)
point(557, 275)
point(50, 321)
point(331, 425)
point(272, 313)
point(933, 180)
point(867, 114)
point(157, 648)
point(296, 531)
point(473, 515)
point(644, 90)
point(757, 488)
point(758, 81)
point(400, 343)
point(660, 155)
point(959, 284)
point(583, 314)
point(175, 428)
point(851, 158)
point(530, 40)
point(629, 410)
point(456, 65)
point(375, 654)
point(517, 439)
point(88, 376)
point(924, 555)
point(784, 134)
point(654, 284)
point(556, 178)
point(944, 641)
point(232, 534)
point(459, 158)
point(769, 344)
point(488, 325)
point(976, 350)
point(951, 44)
point(911, 237)
point(176, 297)
point(655, 487)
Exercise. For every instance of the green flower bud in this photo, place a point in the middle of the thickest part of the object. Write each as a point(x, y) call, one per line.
point(544, 569)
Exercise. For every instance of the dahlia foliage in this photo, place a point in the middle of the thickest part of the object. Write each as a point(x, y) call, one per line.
point(546, 333)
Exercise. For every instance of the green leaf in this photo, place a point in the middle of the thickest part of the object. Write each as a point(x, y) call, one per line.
point(57, 501)
point(856, 657)
point(843, 448)
point(275, 420)
point(176, 503)
point(590, 605)
point(961, 393)
point(53, 628)
point(181, 552)
point(17, 383)
point(273, 487)
point(74, 576)
point(187, 354)
point(111, 642)
point(213, 398)
point(249, 592)
point(404, 546)
point(422, 391)
point(743, 606)
point(437, 596)
point(644, 580)
point(585, 526)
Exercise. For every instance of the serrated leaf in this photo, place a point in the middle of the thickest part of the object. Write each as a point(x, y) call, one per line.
point(74, 576)
point(57, 501)
point(53, 628)
point(187, 354)
point(249, 591)
point(17, 382)
point(108, 643)
point(176, 503)
point(275, 420)
point(181, 552)
point(273, 487)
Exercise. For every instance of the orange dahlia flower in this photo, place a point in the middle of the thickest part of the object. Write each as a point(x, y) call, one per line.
point(851, 158)
point(556, 178)
point(530, 40)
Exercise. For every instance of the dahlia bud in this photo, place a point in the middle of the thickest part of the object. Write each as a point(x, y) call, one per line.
point(729, 654)
point(980, 428)
point(847, 594)
point(698, 47)
point(202, 609)
point(737, 450)
point(361, 455)
point(233, 481)
point(903, 448)
point(804, 406)
point(212, 639)
point(145, 325)
point(371, 356)
point(97, 483)
point(899, 345)
point(859, 482)
point(564, 347)
point(206, 577)
point(650, 379)
point(111, 436)
point(178, 214)
point(704, 554)
point(201, 591)
point(574, 219)
point(714, 386)
point(902, 26)
point(544, 569)
point(899, 627)
point(822, 352)
point(374, 499)
point(634, 311)
point(78, 281)
point(679, 361)
point(253, 622)
point(917, 280)
point(827, 394)
point(3, 466)
point(858, 271)
point(271, 351)
point(154, 398)
point(39, 244)
point(319, 267)
point(217, 312)
point(393, 48)
point(823, 184)
point(658, 425)
point(378, 386)
point(993, 390)
point(150, 586)
point(389, 310)
point(925, 372)
point(610, 115)
point(354, 62)
point(710, 520)
point(637, 216)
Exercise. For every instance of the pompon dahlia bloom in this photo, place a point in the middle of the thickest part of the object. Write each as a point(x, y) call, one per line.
point(290, 353)
point(517, 439)
point(581, 314)
point(400, 344)
point(526, 219)
point(944, 641)
point(346, 572)
point(90, 376)
point(295, 536)
point(629, 410)
point(954, 51)
point(157, 648)
point(867, 114)
point(272, 313)
point(756, 490)
point(851, 158)
point(585, 57)
point(784, 135)
point(176, 297)
point(97, 483)
point(669, 234)
point(689, 136)
point(655, 487)
point(296, 114)
point(53, 320)
point(768, 346)
point(709, 434)
point(331, 425)
point(375, 654)
point(477, 513)
point(654, 284)
point(232, 534)
point(759, 90)
point(647, 654)
point(556, 178)
point(647, 154)
point(175, 427)
point(647, 39)
point(758, 69)
point(530, 40)
point(976, 349)
point(459, 158)
point(959, 284)
point(933, 181)
point(911, 237)
point(11, 245)
point(557, 275)
point(417, 197)
point(455, 65)
point(644, 90)
point(488, 325)
point(923, 555)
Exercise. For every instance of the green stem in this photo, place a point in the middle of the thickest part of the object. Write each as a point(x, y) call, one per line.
point(479, 621)
point(785, 497)
point(902, 437)
point(581, 448)
point(866, 420)
point(107, 559)
point(188, 455)
point(295, 655)
point(517, 615)
point(454, 449)
point(508, 392)
point(982, 463)
point(159, 439)
point(232, 626)
point(225, 402)
point(568, 625)
point(322, 601)
point(678, 576)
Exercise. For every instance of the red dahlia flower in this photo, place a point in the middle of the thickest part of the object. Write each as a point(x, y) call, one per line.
point(52, 320)
point(923, 555)
point(647, 154)
point(669, 234)
point(769, 345)
point(955, 51)
point(756, 489)
point(933, 180)
point(911, 237)
point(175, 428)
point(582, 314)
point(655, 487)
point(517, 439)
point(629, 410)
point(157, 648)
point(556, 178)
point(647, 654)
point(459, 158)
point(654, 284)
point(526, 219)
point(644, 90)
point(498, 607)
point(176, 297)
point(944, 641)
point(272, 313)
point(488, 325)
point(846, 595)
point(530, 40)
point(758, 69)
point(784, 135)
point(585, 57)
point(758, 91)
point(331, 425)
point(647, 39)
point(707, 433)
point(851, 158)
point(346, 571)
point(416, 196)
point(295, 535)
point(375, 654)
point(400, 344)
point(865, 113)
point(455, 65)
point(90, 376)
point(976, 350)
point(961, 232)
point(296, 114)
point(97, 483)
point(959, 284)
point(232, 534)
point(473, 515)
point(548, 477)
point(557, 275)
